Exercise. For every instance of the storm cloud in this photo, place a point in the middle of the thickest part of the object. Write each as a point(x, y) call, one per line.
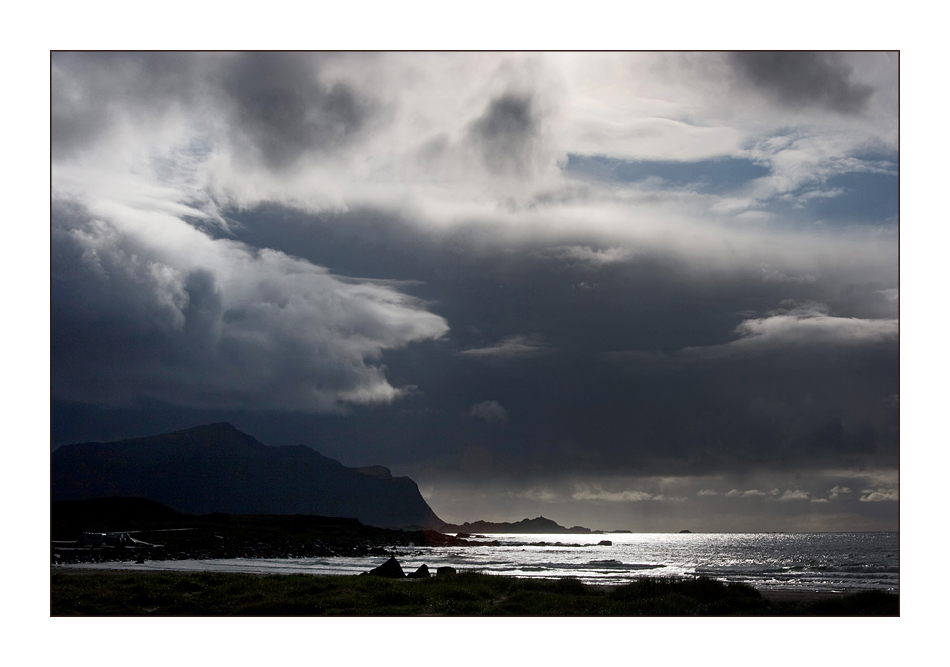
point(283, 111)
point(801, 78)
point(588, 286)
point(167, 313)
point(507, 134)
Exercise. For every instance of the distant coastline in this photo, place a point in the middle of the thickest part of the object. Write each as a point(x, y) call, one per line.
point(539, 525)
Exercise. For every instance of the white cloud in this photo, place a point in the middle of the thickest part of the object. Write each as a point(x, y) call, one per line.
point(511, 346)
point(596, 493)
point(815, 328)
point(879, 495)
point(817, 193)
point(590, 256)
point(541, 495)
point(808, 325)
point(805, 161)
point(834, 492)
point(805, 325)
point(491, 411)
point(797, 494)
point(751, 493)
point(871, 478)
point(650, 138)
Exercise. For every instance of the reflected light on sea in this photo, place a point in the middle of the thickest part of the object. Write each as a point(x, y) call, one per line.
point(806, 561)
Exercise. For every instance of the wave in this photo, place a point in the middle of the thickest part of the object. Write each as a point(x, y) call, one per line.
point(616, 564)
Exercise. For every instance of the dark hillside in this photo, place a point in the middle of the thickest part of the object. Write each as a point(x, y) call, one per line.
point(216, 468)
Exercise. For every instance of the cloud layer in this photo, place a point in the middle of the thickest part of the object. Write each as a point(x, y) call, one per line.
point(551, 269)
point(148, 306)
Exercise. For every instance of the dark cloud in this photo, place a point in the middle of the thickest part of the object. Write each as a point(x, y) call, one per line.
point(507, 134)
point(275, 107)
point(654, 371)
point(199, 322)
point(576, 344)
point(75, 122)
point(804, 78)
point(92, 93)
point(284, 110)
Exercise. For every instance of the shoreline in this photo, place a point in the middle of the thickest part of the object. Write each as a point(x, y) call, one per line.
point(772, 594)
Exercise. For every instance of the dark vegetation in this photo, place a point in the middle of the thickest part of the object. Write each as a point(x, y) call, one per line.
point(865, 603)
point(464, 594)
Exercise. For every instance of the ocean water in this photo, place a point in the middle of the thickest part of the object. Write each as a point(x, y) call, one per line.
point(803, 561)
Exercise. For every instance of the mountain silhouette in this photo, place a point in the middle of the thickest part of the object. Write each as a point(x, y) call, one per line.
point(217, 468)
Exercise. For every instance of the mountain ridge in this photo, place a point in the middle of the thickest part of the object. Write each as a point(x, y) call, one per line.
point(217, 468)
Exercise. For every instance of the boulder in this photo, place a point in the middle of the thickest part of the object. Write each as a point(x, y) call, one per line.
point(445, 571)
point(421, 573)
point(391, 568)
point(605, 543)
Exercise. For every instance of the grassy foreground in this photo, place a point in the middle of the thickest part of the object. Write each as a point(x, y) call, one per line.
point(464, 594)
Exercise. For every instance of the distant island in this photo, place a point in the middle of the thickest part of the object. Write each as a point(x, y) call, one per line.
point(539, 525)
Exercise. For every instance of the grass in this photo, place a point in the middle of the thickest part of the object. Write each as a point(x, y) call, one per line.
point(464, 594)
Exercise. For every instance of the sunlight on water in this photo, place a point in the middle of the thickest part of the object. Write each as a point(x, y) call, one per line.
point(812, 561)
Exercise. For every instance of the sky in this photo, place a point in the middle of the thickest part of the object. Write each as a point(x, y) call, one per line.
point(641, 291)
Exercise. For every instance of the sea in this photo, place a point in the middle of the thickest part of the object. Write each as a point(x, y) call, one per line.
point(826, 562)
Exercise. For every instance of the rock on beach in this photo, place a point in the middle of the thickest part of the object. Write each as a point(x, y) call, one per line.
point(391, 568)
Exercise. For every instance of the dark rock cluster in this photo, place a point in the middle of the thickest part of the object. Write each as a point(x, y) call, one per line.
point(392, 569)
